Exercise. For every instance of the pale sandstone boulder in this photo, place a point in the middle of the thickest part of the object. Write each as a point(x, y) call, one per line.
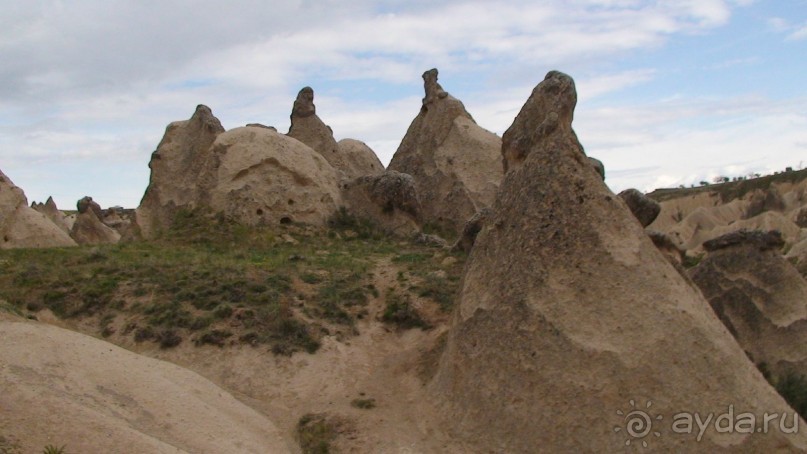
point(359, 159)
point(65, 388)
point(455, 162)
point(177, 168)
point(568, 313)
point(263, 177)
point(23, 227)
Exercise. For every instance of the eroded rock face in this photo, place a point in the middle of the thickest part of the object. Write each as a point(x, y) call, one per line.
point(644, 208)
point(86, 203)
point(471, 230)
point(454, 162)
point(389, 200)
point(667, 246)
point(801, 218)
point(759, 296)
point(598, 166)
point(350, 157)
point(23, 227)
point(566, 305)
point(764, 200)
point(177, 168)
point(53, 213)
point(263, 177)
point(88, 227)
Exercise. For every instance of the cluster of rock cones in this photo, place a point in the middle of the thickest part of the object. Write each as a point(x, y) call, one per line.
point(570, 312)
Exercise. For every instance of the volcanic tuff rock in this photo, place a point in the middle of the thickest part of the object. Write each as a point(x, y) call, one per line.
point(351, 157)
point(264, 177)
point(455, 163)
point(389, 200)
point(88, 227)
point(21, 226)
point(759, 296)
point(598, 166)
point(692, 216)
point(568, 313)
point(471, 229)
point(644, 208)
point(358, 159)
point(86, 203)
point(53, 213)
point(65, 388)
point(252, 174)
point(798, 256)
point(176, 169)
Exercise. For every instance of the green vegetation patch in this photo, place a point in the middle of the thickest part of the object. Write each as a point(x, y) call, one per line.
point(315, 433)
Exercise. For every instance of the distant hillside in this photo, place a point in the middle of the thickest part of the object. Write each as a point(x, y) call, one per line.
point(733, 189)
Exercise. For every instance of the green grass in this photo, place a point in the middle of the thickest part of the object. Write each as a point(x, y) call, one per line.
point(399, 312)
point(315, 433)
point(364, 404)
point(206, 275)
point(9, 445)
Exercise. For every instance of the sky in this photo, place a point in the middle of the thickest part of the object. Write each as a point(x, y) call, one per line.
point(670, 92)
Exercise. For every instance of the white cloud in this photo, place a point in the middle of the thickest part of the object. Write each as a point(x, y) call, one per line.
point(799, 33)
point(87, 87)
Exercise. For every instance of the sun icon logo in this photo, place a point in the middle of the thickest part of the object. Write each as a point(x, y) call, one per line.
point(638, 423)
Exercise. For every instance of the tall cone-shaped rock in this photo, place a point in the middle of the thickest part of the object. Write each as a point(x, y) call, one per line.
point(176, 169)
point(568, 314)
point(455, 162)
point(350, 157)
point(759, 296)
point(23, 227)
point(53, 213)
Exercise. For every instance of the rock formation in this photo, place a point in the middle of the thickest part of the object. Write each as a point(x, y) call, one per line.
point(801, 218)
point(358, 159)
point(88, 228)
point(263, 177)
point(644, 208)
point(389, 200)
point(86, 203)
point(598, 166)
point(797, 255)
point(667, 247)
point(471, 229)
point(253, 175)
point(176, 169)
point(759, 296)
point(23, 227)
point(762, 201)
point(65, 388)
point(351, 157)
point(455, 163)
point(568, 313)
point(692, 216)
point(53, 213)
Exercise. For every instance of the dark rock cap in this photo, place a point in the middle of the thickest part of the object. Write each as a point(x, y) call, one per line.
point(756, 238)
